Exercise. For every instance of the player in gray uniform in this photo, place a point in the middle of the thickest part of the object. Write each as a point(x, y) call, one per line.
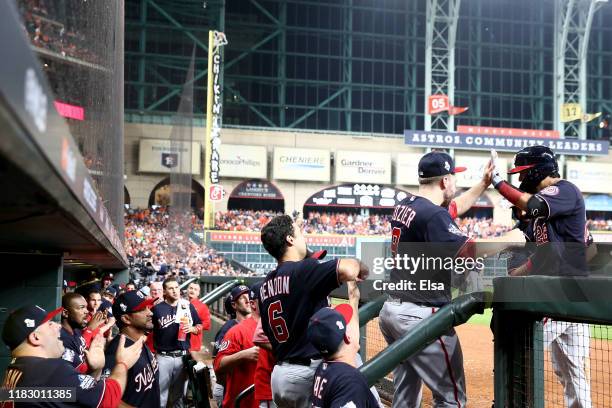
point(552, 212)
point(428, 218)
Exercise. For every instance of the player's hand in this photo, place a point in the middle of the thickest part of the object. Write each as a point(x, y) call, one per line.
point(251, 354)
point(364, 272)
point(95, 354)
point(190, 329)
point(96, 321)
point(129, 355)
point(487, 175)
point(496, 179)
point(109, 324)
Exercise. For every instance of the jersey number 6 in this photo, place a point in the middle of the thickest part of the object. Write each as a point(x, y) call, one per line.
point(278, 324)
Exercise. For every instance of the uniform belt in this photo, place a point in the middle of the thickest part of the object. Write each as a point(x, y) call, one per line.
point(424, 304)
point(298, 361)
point(175, 353)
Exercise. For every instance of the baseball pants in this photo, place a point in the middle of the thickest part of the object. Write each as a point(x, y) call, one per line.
point(569, 348)
point(439, 365)
point(172, 380)
point(292, 384)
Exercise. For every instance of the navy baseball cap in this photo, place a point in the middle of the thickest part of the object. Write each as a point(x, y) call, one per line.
point(435, 164)
point(130, 302)
point(238, 291)
point(24, 321)
point(254, 295)
point(327, 328)
point(111, 290)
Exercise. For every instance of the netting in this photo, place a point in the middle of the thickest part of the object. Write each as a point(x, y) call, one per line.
point(180, 222)
point(80, 47)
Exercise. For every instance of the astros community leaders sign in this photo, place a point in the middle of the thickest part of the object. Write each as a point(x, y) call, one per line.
point(504, 143)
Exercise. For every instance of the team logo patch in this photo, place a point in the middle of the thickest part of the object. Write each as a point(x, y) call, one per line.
point(224, 345)
point(339, 324)
point(446, 166)
point(123, 306)
point(550, 191)
point(86, 381)
point(453, 229)
point(29, 322)
point(68, 355)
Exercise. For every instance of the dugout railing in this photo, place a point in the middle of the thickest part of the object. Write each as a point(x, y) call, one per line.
point(530, 364)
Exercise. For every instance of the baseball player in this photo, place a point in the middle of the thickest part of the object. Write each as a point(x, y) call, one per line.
point(428, 218)
point(75, 333)
point(168, 316)
point(134, 319)
point(265, 364)
point(36, 350)
point(289, 296)
point(335, 333)
point(238, 350)
point(234, 318)
point(95, 303)
point(193, 294)
point(552, 211)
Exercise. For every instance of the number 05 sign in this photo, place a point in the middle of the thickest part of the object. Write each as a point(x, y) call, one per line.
point(437, 104)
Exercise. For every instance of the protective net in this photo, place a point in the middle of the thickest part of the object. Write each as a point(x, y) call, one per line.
point(80, 47)
point(181, 217)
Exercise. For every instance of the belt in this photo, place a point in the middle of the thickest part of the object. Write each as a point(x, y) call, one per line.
point(298, 361)
point(424, 304)
point(175, 353)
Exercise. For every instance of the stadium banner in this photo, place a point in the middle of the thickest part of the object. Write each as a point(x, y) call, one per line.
point(495, 131)
point(357, 195)
point(590, 177)
point(213, 191)
point(362, 167)
point(159, 156)
point(301, 164)
point(257, 190)
point(475, 168)
point(468, 141)
point(243, 161)
point(255, 238)
point(406, 169)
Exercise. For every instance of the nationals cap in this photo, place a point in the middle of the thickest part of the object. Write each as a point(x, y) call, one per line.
point(24, 321)
point(435, 164)
point(327, 328)
point(238, 291)
point(130, 302)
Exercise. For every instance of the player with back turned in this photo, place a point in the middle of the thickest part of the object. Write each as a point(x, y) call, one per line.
point(553, 217)
point(425, 222)
point(289, 296)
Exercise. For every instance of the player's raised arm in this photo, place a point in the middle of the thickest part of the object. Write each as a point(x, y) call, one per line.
point(351, 269)
point(466, 200)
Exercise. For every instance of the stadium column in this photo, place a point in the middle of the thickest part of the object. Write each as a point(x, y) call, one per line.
point(29, 279)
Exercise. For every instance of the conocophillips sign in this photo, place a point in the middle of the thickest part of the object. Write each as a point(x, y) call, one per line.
point(504, 143)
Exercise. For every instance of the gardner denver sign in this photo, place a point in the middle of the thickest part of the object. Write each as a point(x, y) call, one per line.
point(504, 143)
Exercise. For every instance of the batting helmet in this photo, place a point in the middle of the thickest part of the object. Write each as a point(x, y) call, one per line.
point(536, 163)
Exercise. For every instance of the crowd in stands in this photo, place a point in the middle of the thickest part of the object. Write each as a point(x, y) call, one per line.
point(157, 249)
point(344, 223)
point(599, 225)
point(47, 33)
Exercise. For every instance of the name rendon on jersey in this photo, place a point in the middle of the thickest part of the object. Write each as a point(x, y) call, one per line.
point(274, 287)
